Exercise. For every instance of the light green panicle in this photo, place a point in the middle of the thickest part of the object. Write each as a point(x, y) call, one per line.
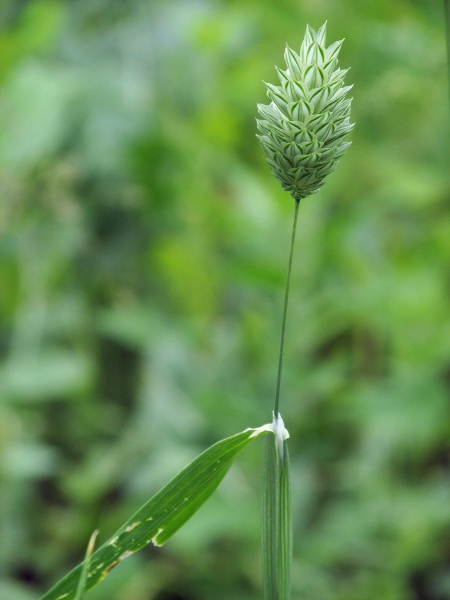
point(304, 126)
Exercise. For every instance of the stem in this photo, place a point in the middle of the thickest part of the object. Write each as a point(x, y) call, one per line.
point(447, 30)
point(286, 299)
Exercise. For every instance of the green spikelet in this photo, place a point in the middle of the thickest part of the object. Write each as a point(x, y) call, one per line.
point(304, 127)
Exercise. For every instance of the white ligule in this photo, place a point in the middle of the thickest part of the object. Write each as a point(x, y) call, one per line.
point(281, 433)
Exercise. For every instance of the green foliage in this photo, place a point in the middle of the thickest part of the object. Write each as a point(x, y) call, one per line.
point(159, 518)
point(143, 245)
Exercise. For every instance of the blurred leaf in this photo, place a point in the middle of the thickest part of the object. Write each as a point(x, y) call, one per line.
point(28, 461)
point(35, 32)
point(14, 591)
point(45, 376)
point(35, 122)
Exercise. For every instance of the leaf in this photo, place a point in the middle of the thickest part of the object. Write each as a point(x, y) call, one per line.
point(162, 515)
point(84, 571)
point(276, 516)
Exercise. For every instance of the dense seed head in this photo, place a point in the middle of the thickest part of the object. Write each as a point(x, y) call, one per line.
point(304, 126)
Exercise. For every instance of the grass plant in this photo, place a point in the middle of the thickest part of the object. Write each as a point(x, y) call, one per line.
point(303, 132)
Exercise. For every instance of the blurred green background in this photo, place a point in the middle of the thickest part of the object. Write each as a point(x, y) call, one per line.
point(143, 248)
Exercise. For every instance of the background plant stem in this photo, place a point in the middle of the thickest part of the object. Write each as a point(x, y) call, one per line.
point(286, 300)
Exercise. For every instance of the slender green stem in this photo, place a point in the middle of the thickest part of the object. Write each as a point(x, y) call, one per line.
point(286, 299)
point(447, 29)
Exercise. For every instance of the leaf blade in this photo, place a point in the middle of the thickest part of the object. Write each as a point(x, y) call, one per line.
point(84, 571)
point(158, 519)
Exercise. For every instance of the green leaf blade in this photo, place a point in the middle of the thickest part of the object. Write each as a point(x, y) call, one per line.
point(85, 567)
point(158, 519)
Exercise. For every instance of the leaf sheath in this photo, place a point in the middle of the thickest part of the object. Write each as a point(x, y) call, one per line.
point(276, 522)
